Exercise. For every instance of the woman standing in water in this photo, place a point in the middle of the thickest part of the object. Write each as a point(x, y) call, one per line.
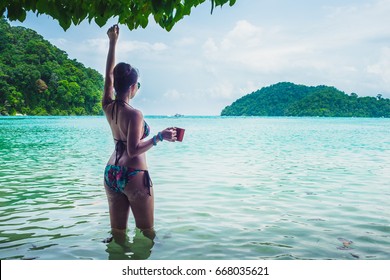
point(126, 176)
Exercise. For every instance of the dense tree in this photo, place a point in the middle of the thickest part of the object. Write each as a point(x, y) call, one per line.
point(133, 13)
point(288, 99)
point(36, 78)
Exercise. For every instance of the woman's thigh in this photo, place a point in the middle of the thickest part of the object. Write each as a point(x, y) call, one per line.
point(119, 208)
point(141, 203)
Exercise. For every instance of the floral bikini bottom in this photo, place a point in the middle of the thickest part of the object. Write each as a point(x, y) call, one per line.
point(117, 177)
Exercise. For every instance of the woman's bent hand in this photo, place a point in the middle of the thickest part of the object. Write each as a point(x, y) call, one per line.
point(169, 134)
point(113, 33)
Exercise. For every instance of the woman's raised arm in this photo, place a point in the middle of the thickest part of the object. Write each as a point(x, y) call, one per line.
point(108, 94)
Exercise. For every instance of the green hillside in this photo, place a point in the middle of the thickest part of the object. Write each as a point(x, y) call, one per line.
point(37, 78)
point(288, 99)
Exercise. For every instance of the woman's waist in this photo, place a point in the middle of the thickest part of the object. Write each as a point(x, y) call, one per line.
point(138, 162)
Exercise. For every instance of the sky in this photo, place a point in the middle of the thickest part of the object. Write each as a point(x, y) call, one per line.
point(207, 61)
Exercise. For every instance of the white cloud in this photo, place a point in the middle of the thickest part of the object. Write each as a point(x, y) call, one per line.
point(137, 46)
point(184, 42)
point(59, 42)
point(99, 46)
point(243, 33)
point(251, 46)
point(224, 90)
point(209, 47)
point(382, 67)
point(173, 94)
point(361, 22)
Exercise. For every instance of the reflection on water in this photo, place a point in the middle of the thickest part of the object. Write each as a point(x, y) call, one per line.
point(120, 247)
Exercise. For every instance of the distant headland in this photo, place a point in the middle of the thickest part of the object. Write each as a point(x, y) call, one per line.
point(288, 99)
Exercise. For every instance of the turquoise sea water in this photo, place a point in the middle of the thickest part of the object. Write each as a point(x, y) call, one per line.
point(235, 188)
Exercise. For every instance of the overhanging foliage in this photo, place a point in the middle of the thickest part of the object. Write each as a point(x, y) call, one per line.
point(133, 13)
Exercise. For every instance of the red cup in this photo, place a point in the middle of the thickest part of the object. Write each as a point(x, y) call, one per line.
point(180, 133)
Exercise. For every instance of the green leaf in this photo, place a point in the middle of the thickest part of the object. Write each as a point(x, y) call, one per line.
point(65, 22)
point(144, 21)
point(157, 5)
point(16, 12)
point(101, 21)
point(42, 6)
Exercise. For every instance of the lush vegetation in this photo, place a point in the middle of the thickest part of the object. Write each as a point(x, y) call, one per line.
point(133, 13)
point(36, 78)
point(288, 99)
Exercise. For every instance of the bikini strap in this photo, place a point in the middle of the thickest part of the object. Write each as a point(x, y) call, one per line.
point(120, 147)
point(148, 181)
point(112, 112)
point(116, 101)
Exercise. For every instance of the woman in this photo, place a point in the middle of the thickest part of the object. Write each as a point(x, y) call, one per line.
point(126, 177)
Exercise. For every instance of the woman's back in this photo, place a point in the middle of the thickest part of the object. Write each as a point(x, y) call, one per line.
point(119, 115)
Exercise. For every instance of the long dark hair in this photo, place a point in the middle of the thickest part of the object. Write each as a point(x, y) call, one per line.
point(124, 77)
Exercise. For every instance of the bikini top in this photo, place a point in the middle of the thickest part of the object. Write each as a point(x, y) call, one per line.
point(120, 145)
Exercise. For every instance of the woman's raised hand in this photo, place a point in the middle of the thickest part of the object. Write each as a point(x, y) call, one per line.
point(169, 134)
point(113, 33)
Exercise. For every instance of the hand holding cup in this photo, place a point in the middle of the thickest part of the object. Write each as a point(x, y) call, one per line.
point(169, 134)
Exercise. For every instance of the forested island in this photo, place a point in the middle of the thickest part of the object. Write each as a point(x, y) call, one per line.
point(288, 99)
point(37, 78)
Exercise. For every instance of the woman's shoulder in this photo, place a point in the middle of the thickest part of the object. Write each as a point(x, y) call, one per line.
point(135, 114)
